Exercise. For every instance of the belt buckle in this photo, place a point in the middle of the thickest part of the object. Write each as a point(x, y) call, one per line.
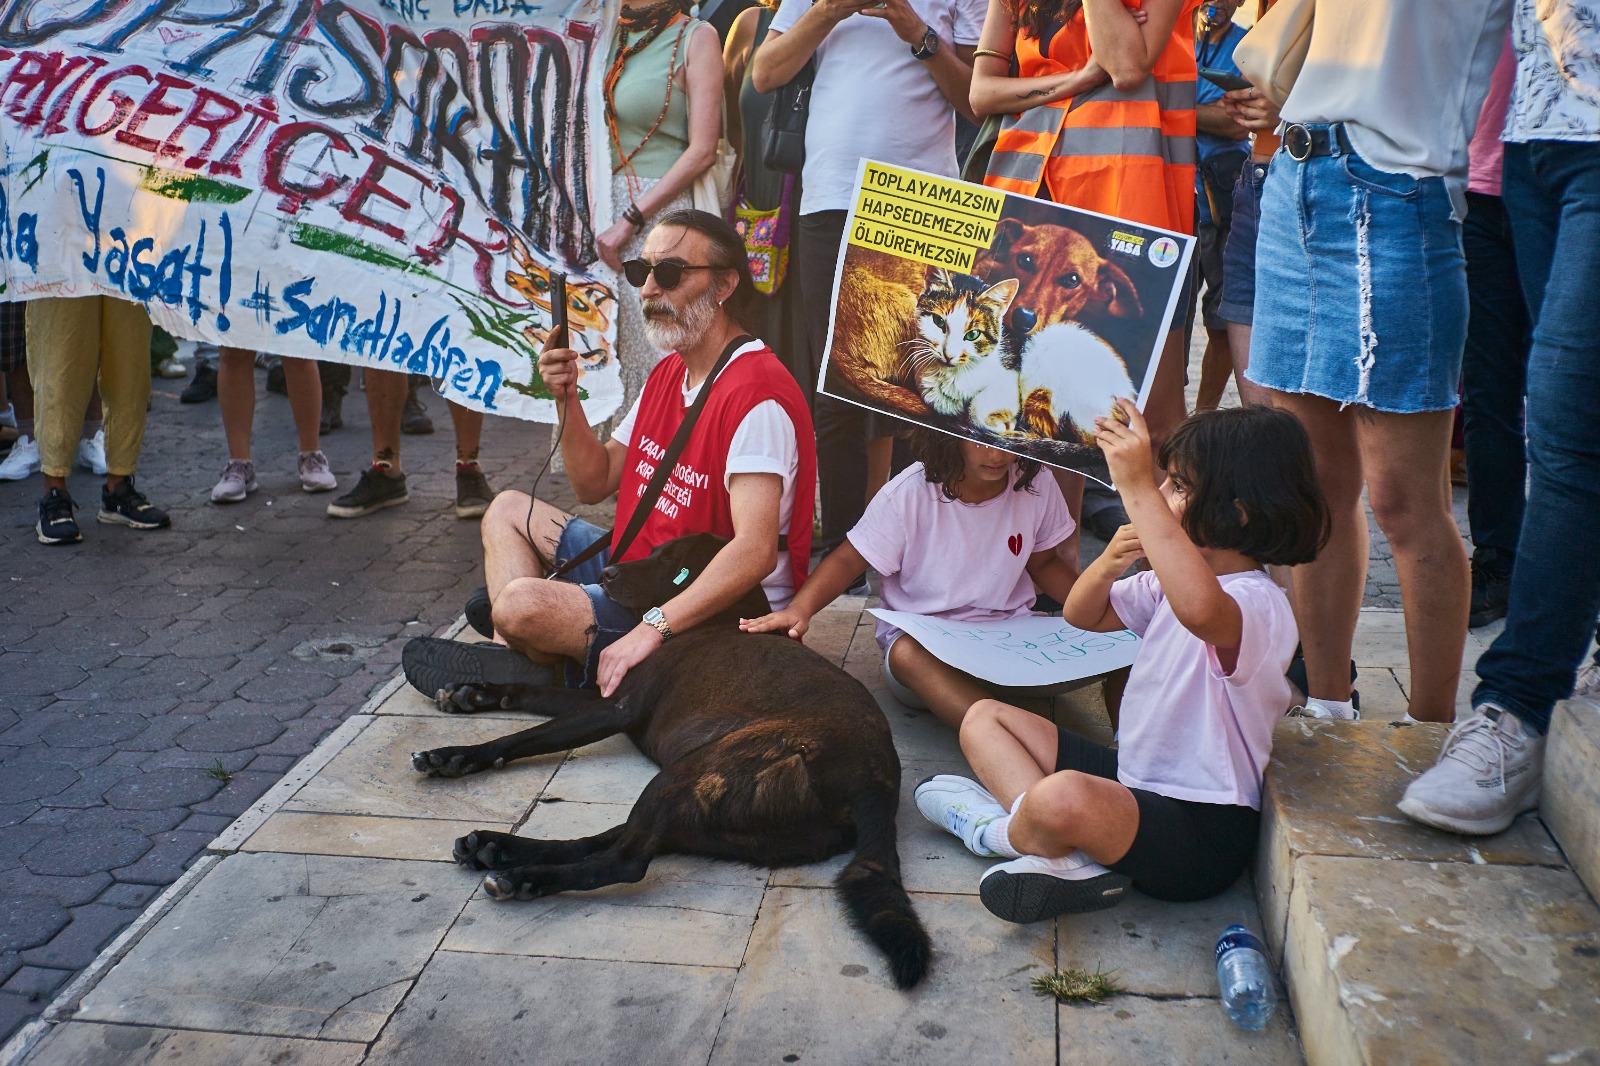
point(1297, 142)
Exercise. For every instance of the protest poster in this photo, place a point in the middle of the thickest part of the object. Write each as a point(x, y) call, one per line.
point(997, 317)
point(1033, 650)
point(386, 183)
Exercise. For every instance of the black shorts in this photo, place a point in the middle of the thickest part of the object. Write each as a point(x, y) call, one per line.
point(1182, 850)
point(13, 348)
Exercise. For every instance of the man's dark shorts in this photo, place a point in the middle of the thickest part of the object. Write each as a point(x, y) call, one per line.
point(1208, 252)
point(1239, 253)
point(611, 619)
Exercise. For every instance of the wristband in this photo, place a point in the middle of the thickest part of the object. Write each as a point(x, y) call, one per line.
point(634, 217)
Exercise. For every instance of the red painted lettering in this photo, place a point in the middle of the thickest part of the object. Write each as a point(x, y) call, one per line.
point(153, 104)
point(274, 163)
point(211, 113)
point(121, 102)
point(369, 187)
point(262, 115)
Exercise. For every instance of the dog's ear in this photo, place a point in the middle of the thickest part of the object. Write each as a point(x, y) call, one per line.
point(1117, 292)
point(1005, 235)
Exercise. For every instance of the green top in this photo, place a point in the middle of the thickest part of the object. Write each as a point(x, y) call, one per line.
point(638, 97)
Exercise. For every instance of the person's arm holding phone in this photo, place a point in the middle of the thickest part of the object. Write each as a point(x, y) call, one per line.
point(594, 467)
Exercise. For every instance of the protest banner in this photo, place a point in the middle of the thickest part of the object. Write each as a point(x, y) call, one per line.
point(387, 183)
point(997, 317)
point(1033, 650)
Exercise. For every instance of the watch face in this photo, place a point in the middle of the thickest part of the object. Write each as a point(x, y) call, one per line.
point(653, 615)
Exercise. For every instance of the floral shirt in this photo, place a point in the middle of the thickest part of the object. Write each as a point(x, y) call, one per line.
point(1557, 95)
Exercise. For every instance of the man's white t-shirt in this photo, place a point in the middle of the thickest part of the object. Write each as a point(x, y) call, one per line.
point(874, 100)
point(764, 443)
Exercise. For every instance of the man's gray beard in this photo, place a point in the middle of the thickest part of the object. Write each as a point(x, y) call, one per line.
point(689, 325)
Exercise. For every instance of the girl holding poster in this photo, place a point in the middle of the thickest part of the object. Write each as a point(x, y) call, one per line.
point(965, 533)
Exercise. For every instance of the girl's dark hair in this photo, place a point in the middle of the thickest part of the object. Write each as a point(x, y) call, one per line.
point(1035, 16)
point(1251, 484)
point(727, 253)
point(942, 464)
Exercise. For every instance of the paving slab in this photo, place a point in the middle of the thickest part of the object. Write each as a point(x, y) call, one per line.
point(285, 945)
point(1169, 1031)
point(608, 771)
point(470, 1008)
point(362, 836)
point(373, 775)
point(1570, 801)
point(92, 1044)
point(813, 988)
point(1331, 788)
point(1394, 961)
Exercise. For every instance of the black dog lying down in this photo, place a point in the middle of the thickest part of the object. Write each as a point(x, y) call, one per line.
point(769, 755)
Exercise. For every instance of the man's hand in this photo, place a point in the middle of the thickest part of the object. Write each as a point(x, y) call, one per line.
point(1126, 447)
point(906, 23)
point(1250, 109)
point(1123, 551)
point(790, 619)
point(558, 369)
point(624, 655)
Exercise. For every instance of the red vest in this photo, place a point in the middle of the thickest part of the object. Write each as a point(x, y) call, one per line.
point(694, 499)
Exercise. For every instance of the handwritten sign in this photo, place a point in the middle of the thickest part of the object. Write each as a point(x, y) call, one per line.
point(387, 183)
point(1018, 652)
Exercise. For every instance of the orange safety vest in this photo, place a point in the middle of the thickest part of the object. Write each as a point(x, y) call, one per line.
point(1126, 154)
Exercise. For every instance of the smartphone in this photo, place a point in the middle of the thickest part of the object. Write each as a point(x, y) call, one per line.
point(1222, 79)
point(558, 309)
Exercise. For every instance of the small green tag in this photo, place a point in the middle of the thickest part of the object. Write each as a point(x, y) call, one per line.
point(683, 575)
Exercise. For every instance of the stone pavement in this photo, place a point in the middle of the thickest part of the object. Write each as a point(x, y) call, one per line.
point(154, 685)
point(329, 926)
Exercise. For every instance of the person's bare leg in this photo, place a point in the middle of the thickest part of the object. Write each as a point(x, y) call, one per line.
point(386, 402)
point(304, 383)
point(1071, 486)
point(1072, 811)
point(1250, 394)
point(507, 548)
point(236, 398)
point(1407, 462)
point(880, 460)
point(948, 692)
point(1009, 749)
point(21, 387)
point(544, 620)
point(1328, 592)
point(1216, 363)
point(1165, 407)
point(469, 431)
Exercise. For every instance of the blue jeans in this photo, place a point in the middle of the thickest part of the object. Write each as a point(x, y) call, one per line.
point(1552, 195)
point(1494, 371)
point(611, 619)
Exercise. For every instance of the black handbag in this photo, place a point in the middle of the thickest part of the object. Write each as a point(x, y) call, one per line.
point(783, 137)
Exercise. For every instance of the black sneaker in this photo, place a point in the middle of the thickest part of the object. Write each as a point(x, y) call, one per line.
point(435, 667)
point(1491, 589)
point(202, 388)
point(277, 381)
point(414, 416)
point(332, 412)
point(375, 491)
point(473, 494)
point(56, 524)
point(128, 507)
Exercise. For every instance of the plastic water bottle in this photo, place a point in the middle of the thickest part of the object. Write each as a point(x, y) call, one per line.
point(1245, 978)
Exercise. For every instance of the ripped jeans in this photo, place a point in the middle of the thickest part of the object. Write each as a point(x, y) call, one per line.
point(1361, 285)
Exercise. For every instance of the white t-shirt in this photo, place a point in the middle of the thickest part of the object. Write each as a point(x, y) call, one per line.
point(764, 443)
point(1187, 729)
point(963, 561)
point(873, 99)
point(1411, 107)
point(1557, 97)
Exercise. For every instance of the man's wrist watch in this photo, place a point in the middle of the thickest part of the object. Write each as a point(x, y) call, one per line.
point(929, 45)
point(654, 617)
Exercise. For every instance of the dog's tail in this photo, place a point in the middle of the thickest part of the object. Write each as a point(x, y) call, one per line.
point(872, 892)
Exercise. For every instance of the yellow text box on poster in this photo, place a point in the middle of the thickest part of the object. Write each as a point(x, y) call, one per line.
point(920, 218)
point(942, 193)
point(916, 246)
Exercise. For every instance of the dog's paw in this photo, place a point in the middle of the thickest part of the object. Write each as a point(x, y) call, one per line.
point(504, 887)
point(466, 699)
point(481, 850)
point(447, 762)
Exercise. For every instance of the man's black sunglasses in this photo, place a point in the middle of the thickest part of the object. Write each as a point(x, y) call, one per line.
point(668, 272)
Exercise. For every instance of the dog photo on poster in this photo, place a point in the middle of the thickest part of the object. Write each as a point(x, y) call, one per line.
point(997, 317)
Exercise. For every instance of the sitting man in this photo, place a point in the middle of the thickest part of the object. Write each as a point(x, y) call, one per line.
point(748, 472)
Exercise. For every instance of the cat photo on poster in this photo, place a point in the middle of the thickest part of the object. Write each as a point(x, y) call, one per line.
point(1000, 318)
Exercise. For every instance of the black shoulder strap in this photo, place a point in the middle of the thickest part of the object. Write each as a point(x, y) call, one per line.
point(658, 480)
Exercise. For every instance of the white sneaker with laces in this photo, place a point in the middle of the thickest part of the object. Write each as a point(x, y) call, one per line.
point(315, 475)
point(1033, 888)
point(1488, 773)
point(92, 453)
point(238, 481)
point(1588, 684)
point(170, 367)
point(23, 460)
point(1315, 708)
point(959, 806)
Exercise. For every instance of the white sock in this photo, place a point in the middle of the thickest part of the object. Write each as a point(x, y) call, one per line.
point(996, 836)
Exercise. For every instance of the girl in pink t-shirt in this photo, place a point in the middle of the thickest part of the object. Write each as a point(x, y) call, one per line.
point(964, 533)
point(1175, 809)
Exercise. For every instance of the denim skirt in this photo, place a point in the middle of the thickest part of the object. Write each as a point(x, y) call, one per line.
point(1361, 286)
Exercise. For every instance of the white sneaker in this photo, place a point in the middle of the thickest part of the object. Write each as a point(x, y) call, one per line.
point(238, 481)
point(315, 476)
point(22, 462)
point(92, 453)
point(1315, 708)
point(170, 367)
point(1588, 684)
point(959, 806)
point(1033, 888)
point(1488, 773)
